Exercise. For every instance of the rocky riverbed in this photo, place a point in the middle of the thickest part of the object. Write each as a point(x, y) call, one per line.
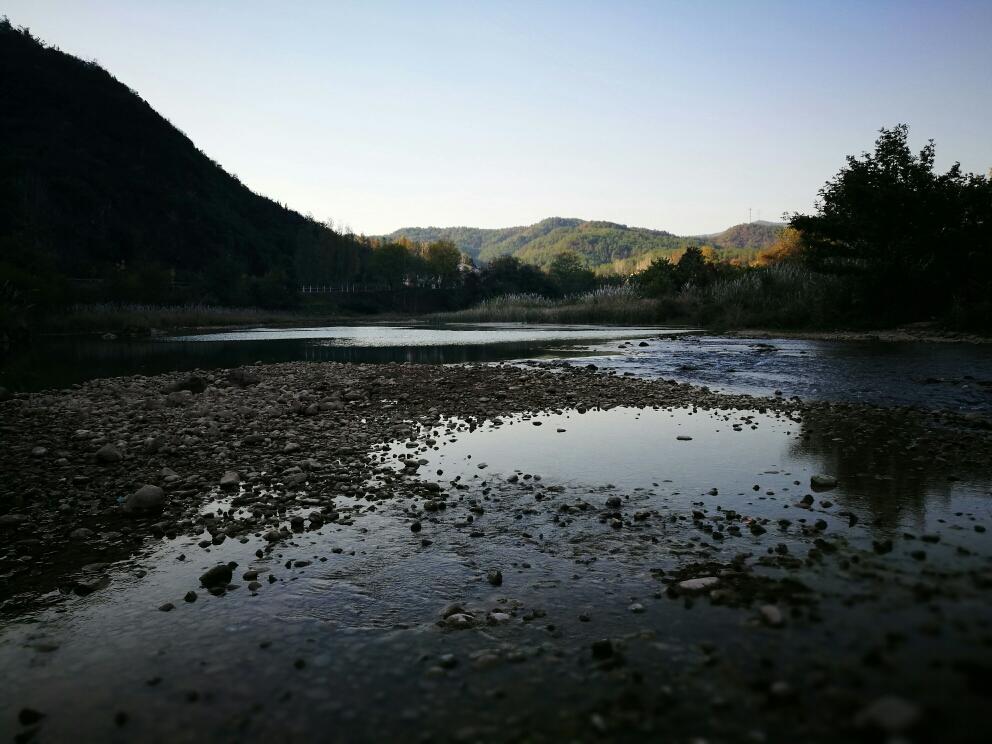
point(278, 550)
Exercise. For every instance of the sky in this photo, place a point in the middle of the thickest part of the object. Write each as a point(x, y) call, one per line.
point(680, 116)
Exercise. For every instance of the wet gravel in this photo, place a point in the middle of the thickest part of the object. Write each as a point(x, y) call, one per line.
point(261, 552)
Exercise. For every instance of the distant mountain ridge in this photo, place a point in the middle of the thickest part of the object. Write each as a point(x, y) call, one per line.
point(604, 245)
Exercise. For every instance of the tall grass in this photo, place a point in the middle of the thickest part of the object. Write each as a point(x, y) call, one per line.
point(777, 296)
point(106, 316)
point(780, 296)
point(612, 304)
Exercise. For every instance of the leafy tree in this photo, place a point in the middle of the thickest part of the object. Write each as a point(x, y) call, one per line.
point(659, 279)
point(918, 241)
point(568, 271)
point(693, 268)
point(508, 275)
point(443, 259)
point(786, 249)
point(390, 263)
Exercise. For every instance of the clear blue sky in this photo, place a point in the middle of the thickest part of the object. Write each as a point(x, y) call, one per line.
point(670, 115)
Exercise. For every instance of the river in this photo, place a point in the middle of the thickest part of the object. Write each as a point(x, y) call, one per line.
point(953, 376)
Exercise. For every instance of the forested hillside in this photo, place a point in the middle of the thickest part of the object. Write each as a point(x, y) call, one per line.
point(94, 182)
point(608, 247)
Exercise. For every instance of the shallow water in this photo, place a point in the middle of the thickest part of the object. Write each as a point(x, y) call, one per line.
point(57, 362)
point(952, 376)
point(348, 644)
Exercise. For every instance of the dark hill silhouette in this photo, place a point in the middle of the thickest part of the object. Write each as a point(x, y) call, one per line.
point(92, 177)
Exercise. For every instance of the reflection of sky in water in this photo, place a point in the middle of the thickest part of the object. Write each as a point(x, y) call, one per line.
point(634, 449)
point(494, 333)
point(954, 376)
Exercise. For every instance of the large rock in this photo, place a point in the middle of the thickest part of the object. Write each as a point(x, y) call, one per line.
point(219, 575)
point(146, 498)
point(193, 383)
point(230, 480)
point(13, 520)
point(700, 584)
point(108, 454)
point(823, 482)
point(242, 378)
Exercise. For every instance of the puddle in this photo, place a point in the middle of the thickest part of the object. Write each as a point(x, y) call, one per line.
point(748, 461)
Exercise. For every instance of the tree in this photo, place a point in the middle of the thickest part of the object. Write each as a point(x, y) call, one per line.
point(659, 279)
point(508, 275)
point(569, 273)
point(788, 247)
point(693, 268)
point(443, 259)
point(916, 241)
point(390, 263)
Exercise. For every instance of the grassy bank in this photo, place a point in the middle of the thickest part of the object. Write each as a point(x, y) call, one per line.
point(621, 305)
point(774, 297)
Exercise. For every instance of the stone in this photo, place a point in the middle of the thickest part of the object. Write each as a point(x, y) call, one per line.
point(495, 577)
point(13, 520)
point(218, 576)
point(699, 584)
point(230, 480)
point(771, 615)
point(179, 399)
point(146, 498)
point(459, 621)
point(191, 384)
point(108, 454)
point(823, 482)
point(890, 714)
point(602, 649)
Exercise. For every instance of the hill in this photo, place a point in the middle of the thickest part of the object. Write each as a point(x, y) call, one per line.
point(606, 246)
point(92, 179)
point(756, 235)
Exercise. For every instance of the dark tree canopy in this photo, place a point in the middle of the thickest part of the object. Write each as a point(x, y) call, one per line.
point(919, 241)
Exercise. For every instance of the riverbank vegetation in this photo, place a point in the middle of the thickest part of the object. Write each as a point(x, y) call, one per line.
point(891, 241)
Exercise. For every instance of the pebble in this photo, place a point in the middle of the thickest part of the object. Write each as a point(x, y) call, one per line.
point(889, 713)
point(699, 584)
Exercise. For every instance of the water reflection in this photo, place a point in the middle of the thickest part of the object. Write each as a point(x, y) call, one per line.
point(894, 474)
point(57, 362)
point(894, 469)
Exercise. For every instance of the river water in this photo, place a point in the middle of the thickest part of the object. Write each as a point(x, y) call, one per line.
point(881, 584)
point(953, 376)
